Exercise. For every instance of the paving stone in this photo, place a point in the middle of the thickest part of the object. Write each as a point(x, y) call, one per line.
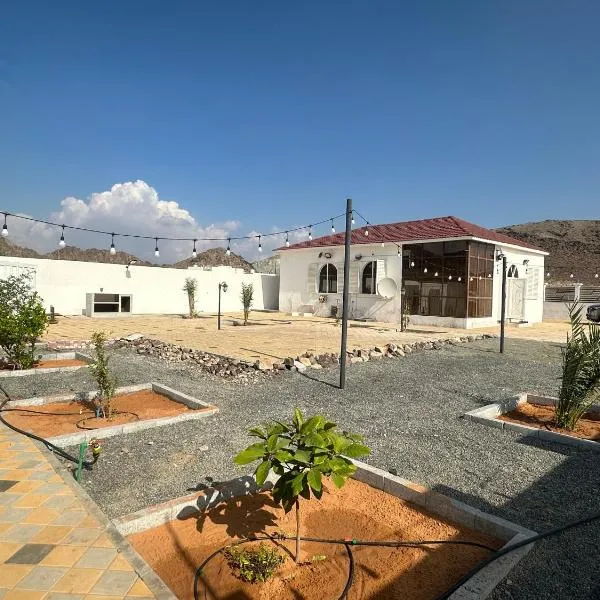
point(52, 534)
point(20, 533)
point(10, 575)
point(114, 582)
point(81, 537)
point(97, 558)
point(64, 556)
point(6, 484)
point(78, 581)
point(30, 554)
point(63, 596)
point(59, 502)
point(14, 515)
point(41, 578)
point(71, 518)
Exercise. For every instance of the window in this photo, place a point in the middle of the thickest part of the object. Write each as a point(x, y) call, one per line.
point(481, 279)
point(328, 279)
point(513, 271)
point(368, 284)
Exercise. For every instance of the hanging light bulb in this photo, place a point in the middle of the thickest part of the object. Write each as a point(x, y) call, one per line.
point(399, 253)
point(548, 274)
point(353, 221)
point(383, 244)
point(449, 277)
point(425, 270)
point(571, 275)
point(332, 227)
point(61, 243)
point(459, 278)
point(310, 233)
point(259, 244)
point(113, 250)
point(194, 252)
point(287, 239)
point(412, 263)
point(470, 279)
point(228, 251)
point(596, 275)
point(156, 250)
point(367, 229)
point(435, 274)
point(4, 228)
point(489, 274)
point(480, 278)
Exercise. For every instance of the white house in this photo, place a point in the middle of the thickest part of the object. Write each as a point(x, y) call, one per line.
point(447, 268)
point(100, 289)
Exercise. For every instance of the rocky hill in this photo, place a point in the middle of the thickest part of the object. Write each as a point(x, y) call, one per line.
point(93, 255)
point(270, 265)
point(215, 257)
point(574, 247)
point(9, 249)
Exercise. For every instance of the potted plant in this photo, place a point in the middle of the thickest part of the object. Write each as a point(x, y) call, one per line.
point(247, 298)
point(190, 287)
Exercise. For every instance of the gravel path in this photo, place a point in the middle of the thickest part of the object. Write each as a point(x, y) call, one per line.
point(410, 412)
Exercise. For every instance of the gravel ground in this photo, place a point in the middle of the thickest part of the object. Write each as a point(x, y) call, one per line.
point(410, 412)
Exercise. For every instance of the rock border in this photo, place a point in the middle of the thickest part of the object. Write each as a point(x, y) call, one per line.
point(200, 410)
point(487, 415)
point(477, 588)
point(51, 356)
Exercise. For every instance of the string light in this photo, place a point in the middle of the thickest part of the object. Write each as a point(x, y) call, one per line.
point(489, 274)
point(412, 263)
point(596, 274)
point(435, 274)
point(383, 244)
point(194, 252)
point(156, 250)
point(367, 229)
point(113, 250)
point(450, 277)
point(259, 244)
point(228, 251)
point(332, 227)
point(4, 228)
point(571, 275)
point(425, 270)
point(287, 239)
point(353, 221)
point(470, 278)
point(61, 243)
point(310, 233)
point(548, 274)
point(459, 278)
point(399, 254)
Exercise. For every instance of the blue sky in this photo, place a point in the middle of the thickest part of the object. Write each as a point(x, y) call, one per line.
point(271, 113)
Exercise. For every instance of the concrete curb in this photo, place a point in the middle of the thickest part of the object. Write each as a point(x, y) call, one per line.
point(487, 415)
point(478, 588)
point(141, 567)
point(51, 356)
point(200, 410)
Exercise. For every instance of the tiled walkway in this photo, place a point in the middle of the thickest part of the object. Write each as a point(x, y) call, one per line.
point(51, 546)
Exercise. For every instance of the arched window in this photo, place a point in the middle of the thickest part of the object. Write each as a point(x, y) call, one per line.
point(328, 279)
point(513, 271)
point(368, 280)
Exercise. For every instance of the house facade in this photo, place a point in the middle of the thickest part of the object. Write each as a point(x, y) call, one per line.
point(442, 271)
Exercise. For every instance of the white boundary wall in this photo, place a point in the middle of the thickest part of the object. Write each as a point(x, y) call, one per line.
point(154, 290)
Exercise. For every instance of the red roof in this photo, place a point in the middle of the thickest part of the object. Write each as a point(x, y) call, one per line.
point(414, 231)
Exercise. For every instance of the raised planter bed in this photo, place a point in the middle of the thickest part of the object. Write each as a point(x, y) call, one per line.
point(177, 536)
point(146, 405)
point(531, 416)
point(52, 363)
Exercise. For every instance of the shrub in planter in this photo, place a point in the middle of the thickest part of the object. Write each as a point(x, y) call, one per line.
point(301, 452)
point(580, 386)
point(106, 383)
point(253, 564)
point(22, 320)
point(247, 298)
point(190, 287)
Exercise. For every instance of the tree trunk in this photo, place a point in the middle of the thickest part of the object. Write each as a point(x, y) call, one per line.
point(297, 531)
point(191, 303)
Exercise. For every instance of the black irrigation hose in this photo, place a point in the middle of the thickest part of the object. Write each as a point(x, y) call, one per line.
point(39, 412)
point(346, 543)
point(504, 551)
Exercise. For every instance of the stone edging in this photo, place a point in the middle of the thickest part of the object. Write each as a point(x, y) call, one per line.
point(200, 409)
point(141, 567)
point(51, 356)
point(477, 588)
point(487, 415)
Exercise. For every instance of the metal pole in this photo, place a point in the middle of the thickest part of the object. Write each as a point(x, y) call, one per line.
point(503, 305)
point(346, 293)
point(219, 311)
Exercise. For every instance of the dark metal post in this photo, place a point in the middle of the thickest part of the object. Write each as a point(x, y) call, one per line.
point(503, 304)
point(402, 306)
point(346, 293)
point(219, 310)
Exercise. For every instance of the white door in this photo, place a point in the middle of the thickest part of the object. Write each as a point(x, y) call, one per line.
point(515, 296)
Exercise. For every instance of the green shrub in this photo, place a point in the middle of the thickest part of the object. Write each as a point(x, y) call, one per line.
point(247, 298)
point(190, 287)
point(22, 320)
point(580, 386)
point(302, 452)
point(253, 564)
point(106, 383)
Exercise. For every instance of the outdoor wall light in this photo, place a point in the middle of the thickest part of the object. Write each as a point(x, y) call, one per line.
point(131, 262)
point(499, 255)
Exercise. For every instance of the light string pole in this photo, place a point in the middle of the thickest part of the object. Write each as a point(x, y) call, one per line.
point(501, 256)
point(346, 293)
point(222, 286)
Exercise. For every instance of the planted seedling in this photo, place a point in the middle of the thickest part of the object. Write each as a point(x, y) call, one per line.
point(106, 383)
point(253, 564)
point(302, 452)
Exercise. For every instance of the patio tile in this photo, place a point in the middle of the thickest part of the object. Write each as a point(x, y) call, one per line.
point(103, 542)
point(23, 595)
point(42, 475)
point(78, 581)
point(52, 534)
point(64, 556)
point(120, 564)
point(140, 589)
point(23, 487)
point(10, 575)
point(59, 502)
point(31, 501)
point(42, 516)
point(81, 537)
point(63, 596)
point(7, 549)
point(97, 558)
point(6, 498)
point(71, 518)
point(20, 533)
point(115, 583)
point(41, 578)
point(6, 484)
point(30, 554)
point(14, 515)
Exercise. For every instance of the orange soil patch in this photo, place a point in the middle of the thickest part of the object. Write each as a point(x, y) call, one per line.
point(542, 417)
point(176, 549)
point(48, 364)
point(62, 417)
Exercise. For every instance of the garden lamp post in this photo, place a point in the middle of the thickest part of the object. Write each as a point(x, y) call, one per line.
point(501, 256)
point(222, 286)
point(402, 307)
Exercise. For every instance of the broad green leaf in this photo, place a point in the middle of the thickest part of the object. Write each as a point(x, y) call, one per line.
point(298, 419)
point(313, 424)
point(355, 450)
point(282, 455)
point(276, 428)
point(250, 454)
point(329, 425)
point(301, 456)
point(258, 432)
point(298, 483)
point(314, 479)
point(272, 442)
point(314, 439)
point(262, 472)
point(338, 480)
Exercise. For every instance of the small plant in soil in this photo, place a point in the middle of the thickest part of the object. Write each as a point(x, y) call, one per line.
point(22, 320)
point(301, 452)
point(580, 387)
point(191, 287)
point(247, 298)
point(253, 565)
point(106, 383)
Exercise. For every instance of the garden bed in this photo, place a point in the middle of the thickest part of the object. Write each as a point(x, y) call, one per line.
point(176, 537)
point(533, 416)
point(70, 419)
point(50, 363)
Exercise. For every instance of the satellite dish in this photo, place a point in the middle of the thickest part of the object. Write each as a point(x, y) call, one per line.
point(387, 288)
